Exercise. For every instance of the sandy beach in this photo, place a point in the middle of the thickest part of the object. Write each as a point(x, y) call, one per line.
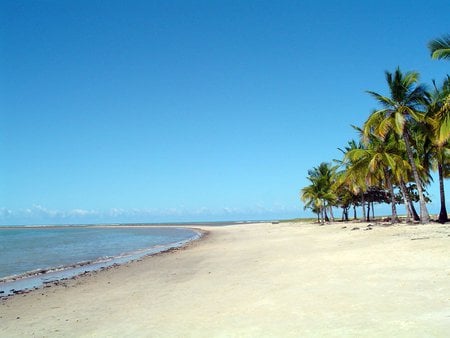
point(258, 280)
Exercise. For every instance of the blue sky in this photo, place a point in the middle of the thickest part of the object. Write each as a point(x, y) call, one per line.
point(147, 111)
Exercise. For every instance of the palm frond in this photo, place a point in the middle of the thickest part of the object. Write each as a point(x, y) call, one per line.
point(383, 100)
point(372, 124)
point(400, 121)
point(440, 48)
point(418, 96)
point(416, 115)
point(384, 127)
point(444, 130)
point(391, 161)
point(409, 79)
point(373, 164)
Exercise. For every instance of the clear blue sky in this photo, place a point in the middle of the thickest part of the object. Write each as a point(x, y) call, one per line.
point(146, 111)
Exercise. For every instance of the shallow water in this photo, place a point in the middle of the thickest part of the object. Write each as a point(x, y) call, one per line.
point(62, 252)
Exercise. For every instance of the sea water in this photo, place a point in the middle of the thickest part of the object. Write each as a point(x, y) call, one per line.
point(32, 256)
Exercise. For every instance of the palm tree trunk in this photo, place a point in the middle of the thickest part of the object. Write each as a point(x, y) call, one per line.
point(368, 212)
point(344, 213)
point(391, 191)
point(424, 216)
point(414, 212)
point(443, 217)
point(322, 216)
point(405, 201)
point(354, 211)
point(373, 211)
point(363, 204)
point(331, 213)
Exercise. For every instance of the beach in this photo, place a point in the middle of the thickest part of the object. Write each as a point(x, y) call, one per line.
point(258, 280)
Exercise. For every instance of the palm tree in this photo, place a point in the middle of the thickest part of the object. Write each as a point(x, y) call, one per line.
point(352, 177)
point(441, 110)
point(384, 165)
point(319, 194)
point(402, 172)
point(440, 48)
point(436, 140)
point(399, 109)
point(344, 196)
point(311, 197)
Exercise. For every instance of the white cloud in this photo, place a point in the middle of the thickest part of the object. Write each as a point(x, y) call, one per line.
point(80, 212)
point(38, 214)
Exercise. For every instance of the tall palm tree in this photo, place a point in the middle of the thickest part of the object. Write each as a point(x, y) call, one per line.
point(423, 161)
point(436, 140)
point(402, 172)
point(399, 109)
point(441, 110)
point(440, 48)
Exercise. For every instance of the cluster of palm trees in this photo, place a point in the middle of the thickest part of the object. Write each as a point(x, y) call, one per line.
point(399, 145)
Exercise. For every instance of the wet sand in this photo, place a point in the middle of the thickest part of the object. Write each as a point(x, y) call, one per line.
point(258, 280)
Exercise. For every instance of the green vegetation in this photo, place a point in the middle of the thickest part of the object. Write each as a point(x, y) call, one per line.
point(440, 48)
point(401, 142)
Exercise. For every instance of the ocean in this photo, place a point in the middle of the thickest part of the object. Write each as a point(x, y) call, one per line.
point(33, 256)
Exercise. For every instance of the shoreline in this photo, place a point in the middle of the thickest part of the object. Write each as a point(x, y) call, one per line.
point(35, 280)
point(263, 279)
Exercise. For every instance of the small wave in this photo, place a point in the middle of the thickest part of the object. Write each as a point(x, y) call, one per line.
point(37, 278)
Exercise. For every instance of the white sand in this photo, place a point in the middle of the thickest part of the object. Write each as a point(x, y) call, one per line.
point(259, 280)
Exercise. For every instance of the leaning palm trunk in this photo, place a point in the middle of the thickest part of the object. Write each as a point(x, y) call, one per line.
point(443, 217)
point(414, 212)
point(424, 216)
point(406, 201)
point(327, 219)
point(391, 191)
